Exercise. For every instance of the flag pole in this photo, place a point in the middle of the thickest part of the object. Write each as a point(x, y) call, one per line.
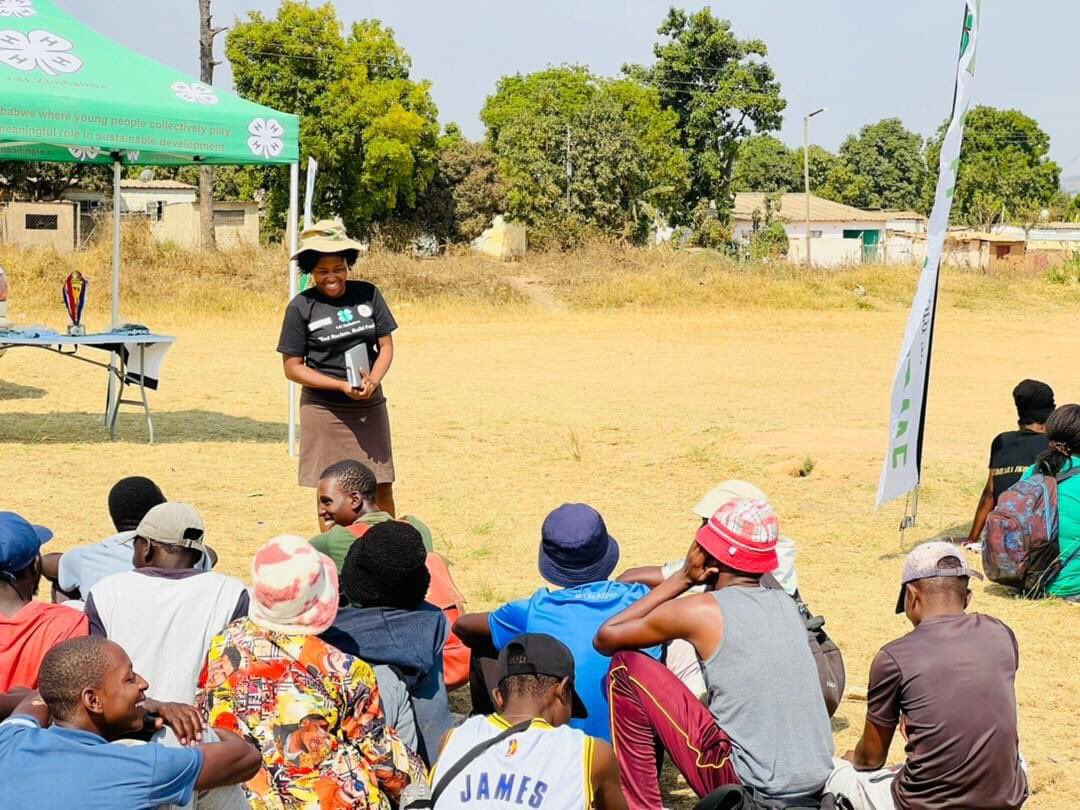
point(902, 471)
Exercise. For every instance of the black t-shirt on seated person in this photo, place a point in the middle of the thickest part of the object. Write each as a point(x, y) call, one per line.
point(322, 329)
point(1011, 453)
point(953, 680)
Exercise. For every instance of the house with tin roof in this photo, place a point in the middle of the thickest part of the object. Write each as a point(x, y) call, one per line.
point(840, 234)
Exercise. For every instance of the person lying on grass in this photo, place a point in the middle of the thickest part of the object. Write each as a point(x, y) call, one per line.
point(765, 726)
point(53, 751)
point(949, 685)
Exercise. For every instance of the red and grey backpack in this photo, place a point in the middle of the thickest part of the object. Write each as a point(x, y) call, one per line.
point(1021, 547)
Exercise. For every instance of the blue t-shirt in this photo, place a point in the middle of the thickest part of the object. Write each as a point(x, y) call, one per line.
point(573, 616)
point(62, 768)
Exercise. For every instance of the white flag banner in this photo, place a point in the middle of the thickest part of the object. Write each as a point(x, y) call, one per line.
point(900, 473)
point(309, 189)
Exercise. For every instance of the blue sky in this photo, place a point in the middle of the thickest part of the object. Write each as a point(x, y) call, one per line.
point(863, 59)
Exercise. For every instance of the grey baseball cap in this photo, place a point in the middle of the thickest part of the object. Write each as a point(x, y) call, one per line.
point(173, 523)
point(924, 562)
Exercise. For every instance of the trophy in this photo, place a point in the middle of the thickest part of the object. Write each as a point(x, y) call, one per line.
point(74, 301)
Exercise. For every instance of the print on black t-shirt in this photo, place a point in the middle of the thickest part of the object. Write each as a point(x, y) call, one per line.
point(322, 329)
point(1011, 453)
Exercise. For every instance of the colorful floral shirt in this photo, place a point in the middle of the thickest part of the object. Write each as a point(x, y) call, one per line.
point(314, 711)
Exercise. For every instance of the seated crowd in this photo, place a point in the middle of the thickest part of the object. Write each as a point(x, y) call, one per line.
point(153, 680)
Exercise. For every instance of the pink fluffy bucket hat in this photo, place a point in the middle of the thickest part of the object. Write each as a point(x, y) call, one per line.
point(294, 587)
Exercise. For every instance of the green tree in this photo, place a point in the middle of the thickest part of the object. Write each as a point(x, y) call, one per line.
point(822, 161)
point(622, 149)
point(45, 182)
point(881, 167)
point(722, 90)
point(764, 163)
point(1005, 172)
point(371, 127)
point(467, 191)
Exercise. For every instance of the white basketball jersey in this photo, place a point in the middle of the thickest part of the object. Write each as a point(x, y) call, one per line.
point(541, 767)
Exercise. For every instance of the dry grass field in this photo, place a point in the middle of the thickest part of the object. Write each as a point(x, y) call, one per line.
point(644, 381)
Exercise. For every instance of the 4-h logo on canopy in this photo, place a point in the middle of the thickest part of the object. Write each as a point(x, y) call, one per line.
point(40, 50)
point(195, 93)
point(84, 152)
point(17, 8)
point(267, 137)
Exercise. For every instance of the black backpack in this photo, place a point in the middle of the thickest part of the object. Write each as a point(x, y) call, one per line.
point(827, 656)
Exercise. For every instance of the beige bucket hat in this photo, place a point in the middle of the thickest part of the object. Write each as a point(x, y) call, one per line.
point(327, 236)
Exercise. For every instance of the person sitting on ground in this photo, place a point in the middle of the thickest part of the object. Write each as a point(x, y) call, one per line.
point(766, 725)
point(950, 686)
point(75, 572)
point(313, 710)
point(28, 628)
point(785, 575)
point(577, 555)
point(545, 763)
point(1012, 452)
point(1061, 456)
point(165, 612)
point(388, 623)
point(680, 656)
point(346, 498)
point(91, 695)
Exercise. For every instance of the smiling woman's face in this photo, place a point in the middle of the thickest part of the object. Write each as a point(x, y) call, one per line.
point(330, 274)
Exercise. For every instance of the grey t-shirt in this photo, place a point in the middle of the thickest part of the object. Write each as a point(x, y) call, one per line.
point(765, 693)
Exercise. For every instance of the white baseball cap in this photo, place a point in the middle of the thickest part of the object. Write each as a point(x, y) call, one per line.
point(724, 492)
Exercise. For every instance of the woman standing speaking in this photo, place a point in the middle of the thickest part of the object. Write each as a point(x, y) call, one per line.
point(336, 341)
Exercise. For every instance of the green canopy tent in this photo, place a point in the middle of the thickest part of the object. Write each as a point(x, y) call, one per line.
point(69, 93)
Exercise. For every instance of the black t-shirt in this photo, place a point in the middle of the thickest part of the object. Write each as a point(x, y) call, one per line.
point(322, 329)
point(1011, 453)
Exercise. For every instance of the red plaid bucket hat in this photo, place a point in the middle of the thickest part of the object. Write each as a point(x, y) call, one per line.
point(742, 535)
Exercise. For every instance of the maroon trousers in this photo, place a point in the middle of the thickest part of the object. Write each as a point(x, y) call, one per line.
point(649, 705)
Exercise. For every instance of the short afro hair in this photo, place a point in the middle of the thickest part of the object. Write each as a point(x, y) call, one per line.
point(309, 258)
point(130, 499)
point(69, 668)
point(528, 686)
point(387, 567)
point(352, 476)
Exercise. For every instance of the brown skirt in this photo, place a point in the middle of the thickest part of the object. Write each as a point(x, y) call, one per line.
point(331, 432)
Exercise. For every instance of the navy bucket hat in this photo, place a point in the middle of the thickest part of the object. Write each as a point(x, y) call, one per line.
point(575, 547)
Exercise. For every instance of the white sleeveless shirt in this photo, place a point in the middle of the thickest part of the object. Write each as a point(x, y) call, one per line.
point(542, 767)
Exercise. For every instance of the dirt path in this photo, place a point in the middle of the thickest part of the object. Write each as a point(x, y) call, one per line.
point(537, 291)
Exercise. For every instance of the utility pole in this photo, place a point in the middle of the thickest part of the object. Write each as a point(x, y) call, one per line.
point(569, 169)
point(806, 173)
point(207, 33)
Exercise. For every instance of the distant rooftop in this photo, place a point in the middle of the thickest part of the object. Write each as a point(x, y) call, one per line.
point(158, 184)
point(906, 215)
point(793, 208)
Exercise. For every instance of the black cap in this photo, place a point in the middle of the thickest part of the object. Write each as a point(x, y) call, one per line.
point(540, 654)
